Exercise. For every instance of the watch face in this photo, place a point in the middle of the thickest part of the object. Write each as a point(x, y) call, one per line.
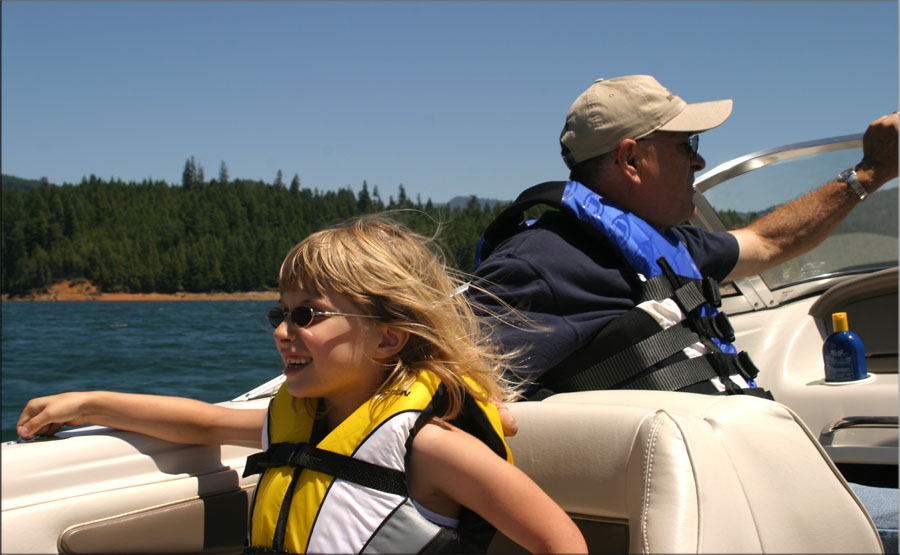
point(848, 176)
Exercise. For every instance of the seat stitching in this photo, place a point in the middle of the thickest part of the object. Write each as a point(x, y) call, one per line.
point(648, 471)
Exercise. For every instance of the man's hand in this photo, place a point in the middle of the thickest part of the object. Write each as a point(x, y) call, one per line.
point(879, 162)
point(802, 224)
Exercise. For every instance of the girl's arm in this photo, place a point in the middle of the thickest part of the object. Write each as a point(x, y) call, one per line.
point(175, 419)
point(454, 464)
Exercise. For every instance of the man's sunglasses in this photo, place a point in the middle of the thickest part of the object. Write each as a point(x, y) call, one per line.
point(693, 141)
point(302, 316)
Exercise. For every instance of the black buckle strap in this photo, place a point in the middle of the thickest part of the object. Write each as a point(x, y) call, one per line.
point(304, 455)
point(727, 364)
point(261, 550)
point(711, 291)
point(675, 376)
point(625, 364)
point(746, 366)
point(689, 296)
point(278, 454)
point(713, 326)
point(688, 292)
point(655, 289)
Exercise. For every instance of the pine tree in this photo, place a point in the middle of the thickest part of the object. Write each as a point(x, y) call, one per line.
point(295, 184)
point(377, 203)
point(189, 175)
point(364, 202)
point(223, 173)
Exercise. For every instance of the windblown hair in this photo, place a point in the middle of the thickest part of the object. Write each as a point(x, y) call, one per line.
point(400, 277)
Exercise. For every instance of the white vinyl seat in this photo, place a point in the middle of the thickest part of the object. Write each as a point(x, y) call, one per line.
point(664, 472)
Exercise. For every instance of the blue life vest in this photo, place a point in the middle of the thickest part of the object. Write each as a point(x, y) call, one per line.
point(639, 242)
point(667, 271)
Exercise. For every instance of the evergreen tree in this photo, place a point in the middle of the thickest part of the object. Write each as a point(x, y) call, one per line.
point(189, 175)
point(377, 203)
point(149, 236)
point(364, 201)
point(223, 173)
point(295, 184)
point(279, 180)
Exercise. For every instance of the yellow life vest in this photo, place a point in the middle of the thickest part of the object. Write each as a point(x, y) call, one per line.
point(354, 498)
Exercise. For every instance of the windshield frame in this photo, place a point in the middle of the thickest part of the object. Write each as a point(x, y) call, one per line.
point(752, 293)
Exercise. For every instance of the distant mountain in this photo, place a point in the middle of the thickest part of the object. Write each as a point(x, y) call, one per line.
point(13, 182)
point(459, 203)
point(878, 214)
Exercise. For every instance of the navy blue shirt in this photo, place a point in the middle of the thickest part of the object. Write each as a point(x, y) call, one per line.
point(573, 284)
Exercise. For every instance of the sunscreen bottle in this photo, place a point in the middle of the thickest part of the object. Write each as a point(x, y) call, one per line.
point(845, 356)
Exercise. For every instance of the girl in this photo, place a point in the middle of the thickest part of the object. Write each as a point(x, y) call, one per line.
point(383, 436)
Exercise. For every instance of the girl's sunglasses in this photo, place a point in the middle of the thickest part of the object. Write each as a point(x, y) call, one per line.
point(302, 316)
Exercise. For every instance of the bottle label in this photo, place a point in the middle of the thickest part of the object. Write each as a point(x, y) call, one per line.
point(839, 365)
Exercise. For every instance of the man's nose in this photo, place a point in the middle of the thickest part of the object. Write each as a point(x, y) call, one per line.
point(698, 162)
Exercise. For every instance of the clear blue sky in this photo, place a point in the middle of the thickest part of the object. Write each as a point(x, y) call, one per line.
point(446, 98)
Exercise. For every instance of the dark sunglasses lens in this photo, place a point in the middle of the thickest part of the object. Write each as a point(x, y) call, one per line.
point(302, 316)
point(695, 143)
point(275, 316)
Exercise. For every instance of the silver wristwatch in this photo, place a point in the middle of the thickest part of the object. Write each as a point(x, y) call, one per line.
point(848, 176)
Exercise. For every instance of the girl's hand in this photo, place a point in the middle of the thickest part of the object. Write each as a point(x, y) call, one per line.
point(47, 415)
point(175, 419)
point(507, 420)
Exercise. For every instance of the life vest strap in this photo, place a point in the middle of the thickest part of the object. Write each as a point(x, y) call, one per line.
point(713, 326)
point(688, 372)
point(691, 293)
point(304, 455)
point(675, 376)
point(258, 549)
point(608, 373)
point(728, 364)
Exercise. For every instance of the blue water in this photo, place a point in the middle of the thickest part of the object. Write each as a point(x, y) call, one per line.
point(211, 351)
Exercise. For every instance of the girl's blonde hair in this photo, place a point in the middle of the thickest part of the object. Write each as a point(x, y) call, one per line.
point(401, 278)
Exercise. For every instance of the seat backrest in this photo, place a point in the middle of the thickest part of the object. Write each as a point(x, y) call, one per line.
point(664, 472)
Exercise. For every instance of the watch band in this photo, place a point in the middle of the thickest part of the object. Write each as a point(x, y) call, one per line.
point(848, 176)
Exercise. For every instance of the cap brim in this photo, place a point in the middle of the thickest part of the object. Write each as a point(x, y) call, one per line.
point(698, 117)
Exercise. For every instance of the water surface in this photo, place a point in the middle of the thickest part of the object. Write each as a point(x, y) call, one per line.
point(207, 350)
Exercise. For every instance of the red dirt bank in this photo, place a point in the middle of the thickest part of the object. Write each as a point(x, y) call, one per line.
point(86, 291)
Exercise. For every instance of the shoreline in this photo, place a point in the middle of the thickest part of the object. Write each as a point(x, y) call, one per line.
point(86, 291)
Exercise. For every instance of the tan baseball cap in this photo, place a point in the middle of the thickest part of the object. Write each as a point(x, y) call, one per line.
point(631, 107)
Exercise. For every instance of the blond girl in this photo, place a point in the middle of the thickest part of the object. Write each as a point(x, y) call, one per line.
point(383, 436)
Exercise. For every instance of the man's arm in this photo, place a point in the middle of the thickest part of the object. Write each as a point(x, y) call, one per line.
point(801, 225)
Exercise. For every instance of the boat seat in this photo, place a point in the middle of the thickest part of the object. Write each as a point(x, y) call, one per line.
point(665, 472)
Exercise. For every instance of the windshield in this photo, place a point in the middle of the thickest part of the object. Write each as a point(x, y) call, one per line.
point(865, 240)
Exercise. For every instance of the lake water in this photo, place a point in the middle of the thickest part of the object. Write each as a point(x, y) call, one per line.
point(211, 351)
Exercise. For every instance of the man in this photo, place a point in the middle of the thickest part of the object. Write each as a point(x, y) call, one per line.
point(610, 312)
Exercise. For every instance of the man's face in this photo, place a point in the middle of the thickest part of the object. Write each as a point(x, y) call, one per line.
point(666, 164)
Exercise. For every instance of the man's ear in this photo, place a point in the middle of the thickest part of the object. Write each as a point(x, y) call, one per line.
point(627, 160)
point(393, 339)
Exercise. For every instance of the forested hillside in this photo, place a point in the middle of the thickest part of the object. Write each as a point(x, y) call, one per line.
point(197, 237)
point(226, 236)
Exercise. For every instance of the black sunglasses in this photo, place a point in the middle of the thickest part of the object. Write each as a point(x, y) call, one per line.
point(693, 141)
point(302, 316)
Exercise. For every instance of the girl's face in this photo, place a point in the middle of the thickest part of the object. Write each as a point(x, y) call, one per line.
point(334, 357)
